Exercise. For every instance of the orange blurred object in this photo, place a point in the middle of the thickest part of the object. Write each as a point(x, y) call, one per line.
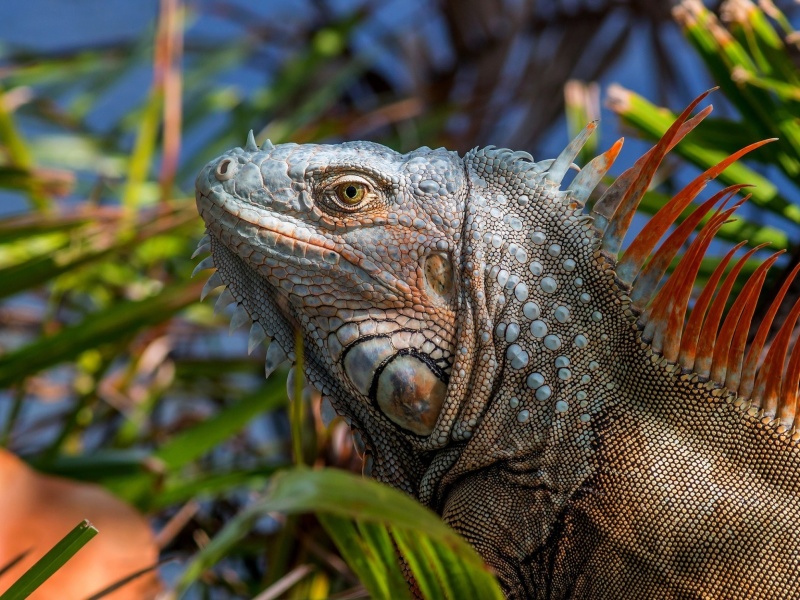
point(37, 510)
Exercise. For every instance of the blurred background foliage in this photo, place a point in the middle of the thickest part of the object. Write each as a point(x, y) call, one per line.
point(111, 370)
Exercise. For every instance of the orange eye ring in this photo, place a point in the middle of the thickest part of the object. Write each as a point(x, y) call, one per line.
point(351, 193)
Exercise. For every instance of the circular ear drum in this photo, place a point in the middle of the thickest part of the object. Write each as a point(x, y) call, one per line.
point(410, 394)
point(402, 384)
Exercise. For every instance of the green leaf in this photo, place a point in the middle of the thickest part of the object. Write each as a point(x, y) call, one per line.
point(731, 66)
point(435, 553)
point(143, 150)
point(180, 489)
point(23, 226)
point(365, 548)
point(122, 319)
point(106, 463)
point(86, 246)
point(51, 562)
point(20, 155)
point(193, 443)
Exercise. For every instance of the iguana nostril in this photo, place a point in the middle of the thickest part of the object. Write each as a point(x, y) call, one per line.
point(226, 169)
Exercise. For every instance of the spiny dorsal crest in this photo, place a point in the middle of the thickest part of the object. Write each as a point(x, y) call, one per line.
point(704, 342)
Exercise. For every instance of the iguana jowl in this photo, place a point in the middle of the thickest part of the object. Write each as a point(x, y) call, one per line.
point(500, 362)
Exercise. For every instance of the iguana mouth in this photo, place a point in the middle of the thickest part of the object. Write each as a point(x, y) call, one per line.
point(287, 245)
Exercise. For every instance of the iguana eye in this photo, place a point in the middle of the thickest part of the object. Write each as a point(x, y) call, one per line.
point(351, 193)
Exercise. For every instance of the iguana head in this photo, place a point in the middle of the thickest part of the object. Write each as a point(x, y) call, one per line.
point(357, 246)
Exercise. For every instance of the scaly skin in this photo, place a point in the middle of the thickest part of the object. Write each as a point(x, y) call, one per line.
point(464, 320)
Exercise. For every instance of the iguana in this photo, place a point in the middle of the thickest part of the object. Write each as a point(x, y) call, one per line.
point(554, 401)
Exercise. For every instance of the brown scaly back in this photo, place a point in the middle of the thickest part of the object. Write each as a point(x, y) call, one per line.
point(708, 342)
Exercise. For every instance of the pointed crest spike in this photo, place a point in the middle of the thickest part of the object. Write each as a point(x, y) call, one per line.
point(585, 181)
point(213, 283)
point(275, 356)
point(642, 245)
point(251, 145)
point(617, 205)
point(257, 335)
point(267, 146)
point(559, 168)
point(240, 317)
point(326, 411)
point(754, 353)
point(225, 298)
point(768, 382)
point(206, 263)
point(691, 333)
point(723, 347)
point(789, 392)
point(647, 282)
point(201, 250)
point(709, 333)
point(734, 334)
point(666, 313)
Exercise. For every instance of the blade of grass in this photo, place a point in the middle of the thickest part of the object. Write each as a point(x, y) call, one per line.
point(179, 489)
point(378, 576)
point(143, 150)
point(191, 444)
point(92, 245)
point(24, 226)
point(167, 64)
point(51, 562)
point(424, 572)
point(19, 154)
point(378, 538)
point(342, 494)
point(50, 181)
point(126, 580)
point(124, 318)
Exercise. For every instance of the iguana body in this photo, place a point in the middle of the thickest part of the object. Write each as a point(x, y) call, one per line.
point(499, 362)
